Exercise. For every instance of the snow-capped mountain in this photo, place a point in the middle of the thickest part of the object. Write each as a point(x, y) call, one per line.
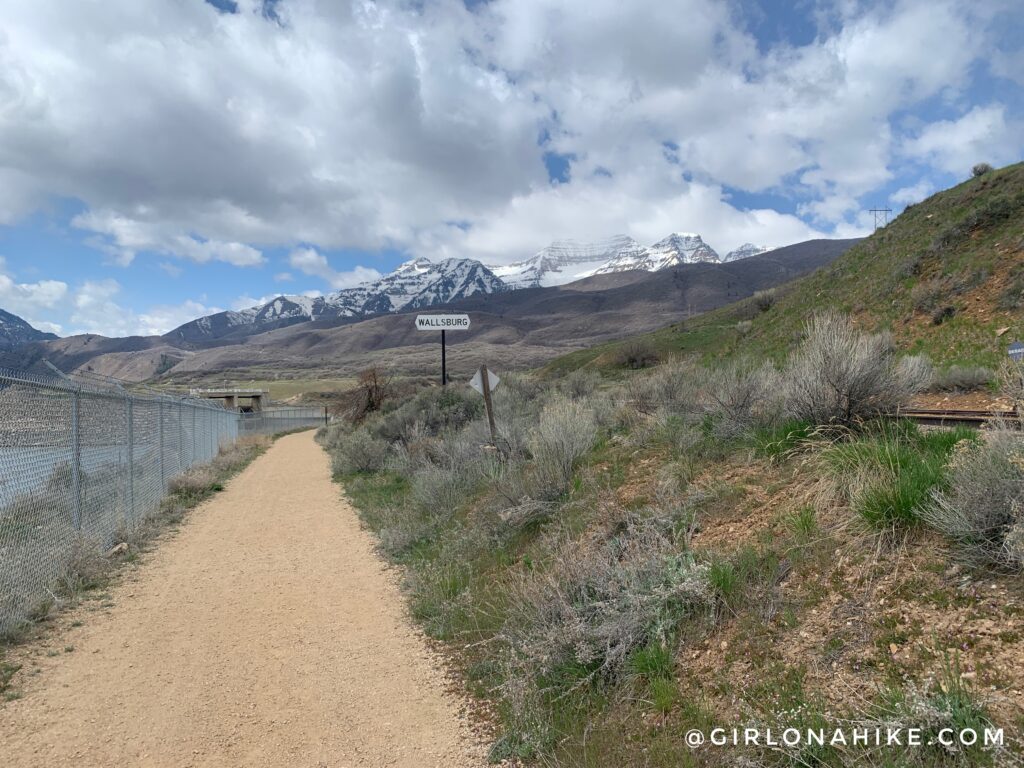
point(413, 285)
point(568, 260)
point(14, 331)
point(744, 251)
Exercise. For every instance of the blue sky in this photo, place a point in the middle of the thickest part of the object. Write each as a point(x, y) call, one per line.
point(162, 160)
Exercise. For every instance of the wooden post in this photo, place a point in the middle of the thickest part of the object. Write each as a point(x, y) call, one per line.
point(486, 381)
point(444, 368)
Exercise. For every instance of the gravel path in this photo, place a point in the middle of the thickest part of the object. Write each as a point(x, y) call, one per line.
point(265, 633)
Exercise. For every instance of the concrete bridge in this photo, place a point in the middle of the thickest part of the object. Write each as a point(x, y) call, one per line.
point(231, 397)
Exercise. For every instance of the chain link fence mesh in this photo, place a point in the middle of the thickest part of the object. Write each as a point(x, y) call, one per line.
point(80, 465)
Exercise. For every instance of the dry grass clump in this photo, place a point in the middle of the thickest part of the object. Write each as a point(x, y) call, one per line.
point(982, 510)
point(566, 431)
point(841, 376)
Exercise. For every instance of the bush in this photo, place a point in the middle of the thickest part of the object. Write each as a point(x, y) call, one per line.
point(674, 387)
point(942, 314)
point(981, 169)
point(600, 602)
point(983, 508)
point(840, 376)
point(580, 383)
point(358, 451)
point(740, 396)
point(566, 431)
point(962, 378)
point(637, 355)
point(1011, 383)
point(743, 327)
point(764, 300)
point(432, 411)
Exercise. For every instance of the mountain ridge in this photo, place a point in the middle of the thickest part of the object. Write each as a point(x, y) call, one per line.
point(15, 331)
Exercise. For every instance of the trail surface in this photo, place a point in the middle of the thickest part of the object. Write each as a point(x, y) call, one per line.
point(265, 633)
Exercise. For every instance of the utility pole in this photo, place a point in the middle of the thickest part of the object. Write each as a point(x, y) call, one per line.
point(881, 215)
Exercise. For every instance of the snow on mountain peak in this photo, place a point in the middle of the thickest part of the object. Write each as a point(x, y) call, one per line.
point(744, 251)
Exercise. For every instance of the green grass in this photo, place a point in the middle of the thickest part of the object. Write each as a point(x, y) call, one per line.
point(781, 440)
point(893, 469)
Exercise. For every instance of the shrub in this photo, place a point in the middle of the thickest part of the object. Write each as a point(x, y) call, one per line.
point(1011, 383)
point(743, 327)
point(942, 314)
point(674, 387)
point(840, 376)
point(358, 451)
point(741, 396)
point(962, 378)
point(566, 431)
point(432, 411)
point(636, 355)
point(764, 300)
point(580, 383)
point(983, 508)
point(981, 169)
point(600, 602)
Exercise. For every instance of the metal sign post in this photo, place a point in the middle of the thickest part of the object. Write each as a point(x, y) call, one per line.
point(485, 382)
point(442, 323)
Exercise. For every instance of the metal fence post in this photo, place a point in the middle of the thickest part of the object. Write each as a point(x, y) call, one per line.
point(195, 446)
point(129, 511)
point(181, 436)
point(76, 463)
point(160, 433)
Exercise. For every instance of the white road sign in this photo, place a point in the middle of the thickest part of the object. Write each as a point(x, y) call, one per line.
point(1016, 351)
point(442, 322)
point(477, 382)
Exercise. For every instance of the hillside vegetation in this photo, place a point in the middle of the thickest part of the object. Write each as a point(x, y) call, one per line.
point(739, 536)
point(944, 278)
point(751, 545)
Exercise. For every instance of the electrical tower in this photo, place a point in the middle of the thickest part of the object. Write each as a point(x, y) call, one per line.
point(881, 216)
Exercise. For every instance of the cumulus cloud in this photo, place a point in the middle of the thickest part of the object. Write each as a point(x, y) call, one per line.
point(95, 309)
point(983, 134)
point(213, 136)
point(31, 300)
point(310, 262)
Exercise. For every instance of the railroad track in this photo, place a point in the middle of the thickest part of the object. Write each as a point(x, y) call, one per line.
point(954, 417)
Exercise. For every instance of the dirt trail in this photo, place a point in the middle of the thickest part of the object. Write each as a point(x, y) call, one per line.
point(265, 633)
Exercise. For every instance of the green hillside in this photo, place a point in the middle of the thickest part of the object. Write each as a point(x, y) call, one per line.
point(944, 277)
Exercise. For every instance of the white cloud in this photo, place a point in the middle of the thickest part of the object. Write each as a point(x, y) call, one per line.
point(212, 137)
point(982, 135)
point(284, 277)
point(309, 262)
point(95, 309)
point(912, 194)
point(30, 300)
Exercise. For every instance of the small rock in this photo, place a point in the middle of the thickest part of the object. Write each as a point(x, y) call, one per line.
point(893, 648)
point(118, 549)
point(724, 645)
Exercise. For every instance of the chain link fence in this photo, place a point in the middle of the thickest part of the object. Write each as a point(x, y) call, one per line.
point(271, 421)
point(82, 464)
